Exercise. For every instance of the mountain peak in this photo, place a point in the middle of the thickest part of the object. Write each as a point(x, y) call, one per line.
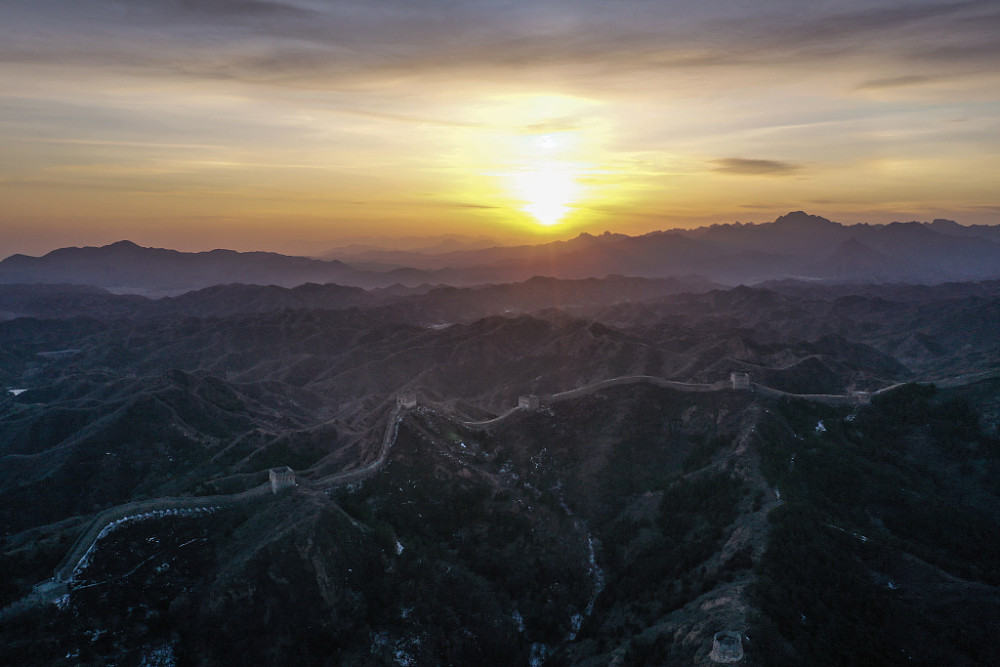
point(913, 229)
point(123, 244)
point(944, 225)
point(802, 219)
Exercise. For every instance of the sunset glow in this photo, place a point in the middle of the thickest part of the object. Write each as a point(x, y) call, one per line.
point(292, 125)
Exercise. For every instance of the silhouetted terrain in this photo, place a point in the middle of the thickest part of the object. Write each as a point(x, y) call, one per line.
point(424, 304)
point(626, 522)
point(796, 245)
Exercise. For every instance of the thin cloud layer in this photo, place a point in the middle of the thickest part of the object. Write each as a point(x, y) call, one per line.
point(748, 167)
point(311, 43)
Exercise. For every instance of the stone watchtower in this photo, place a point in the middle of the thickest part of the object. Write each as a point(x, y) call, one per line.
point(529, 402)
point(739, 380)
point(281, 479)
point(50, 589)
point(727, 646)
point(407, 400)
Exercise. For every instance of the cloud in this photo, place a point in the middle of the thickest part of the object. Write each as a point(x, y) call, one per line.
point(895, 82)
point(321, 44)
point(227, 9)
point(764, 207)
point(466, 205)
point(553, 125)
point(748, 167)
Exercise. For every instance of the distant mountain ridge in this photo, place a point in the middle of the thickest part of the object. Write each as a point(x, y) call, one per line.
point(796, 245)
point(430, 304)
point(125, 264)
point(360, 249)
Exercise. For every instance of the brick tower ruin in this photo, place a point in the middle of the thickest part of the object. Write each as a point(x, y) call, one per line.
point(281, 479)
point(727, 647)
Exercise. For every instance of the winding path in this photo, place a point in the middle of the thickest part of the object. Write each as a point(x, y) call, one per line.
point(50, 590)
point(358, 474)
point(594, 387)
point(64, 571)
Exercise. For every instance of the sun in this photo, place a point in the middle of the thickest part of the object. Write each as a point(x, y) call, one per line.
point(547, 191)
point(543, 147)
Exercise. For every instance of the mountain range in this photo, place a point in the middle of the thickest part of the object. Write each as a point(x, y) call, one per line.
point(558, 469)
point(796, 245)
point(625, 523)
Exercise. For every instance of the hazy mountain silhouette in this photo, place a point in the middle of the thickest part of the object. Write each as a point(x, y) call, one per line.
point(429, 304)
point(942, 226)
point(794, 245)
point(127, 265)
point(383, 250)
point(853, 260)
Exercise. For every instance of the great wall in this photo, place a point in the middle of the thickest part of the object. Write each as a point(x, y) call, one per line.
point(64, 571)
point(59, 585)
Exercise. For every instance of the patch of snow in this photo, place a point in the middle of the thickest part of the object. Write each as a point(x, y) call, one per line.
point(820, 428)
point(145, 516)
point(576, 621)
point(399, 547)
point(538, 652)
point(17, 392)
point(402, 655)
point(379, 640)
point(161, 656)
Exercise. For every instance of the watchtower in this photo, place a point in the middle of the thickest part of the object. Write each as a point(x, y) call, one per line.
point(281, 479)
point(407, 400)
point(727, 646)
point(739, 380)
point(528, 402)
point(50, 589)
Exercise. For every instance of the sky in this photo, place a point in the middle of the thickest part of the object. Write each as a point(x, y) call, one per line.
point(293, 125)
